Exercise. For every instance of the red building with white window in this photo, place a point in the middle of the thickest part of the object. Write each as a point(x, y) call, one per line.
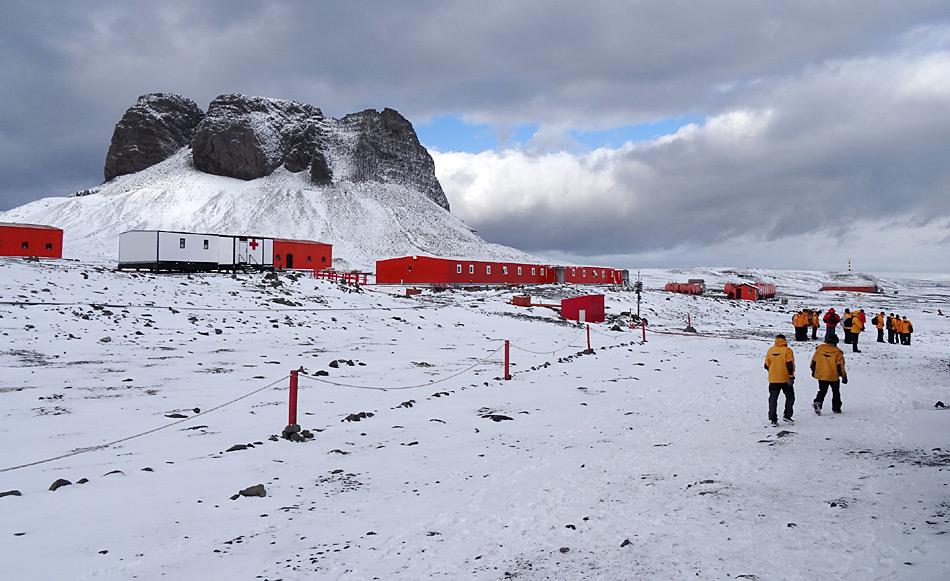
point(30, 240)
point(419, 270)
point(302, 254)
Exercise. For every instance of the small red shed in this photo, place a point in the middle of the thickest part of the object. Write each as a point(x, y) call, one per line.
point(30, 240)
point(749, 291)
point(302, 255)
point(588, 309)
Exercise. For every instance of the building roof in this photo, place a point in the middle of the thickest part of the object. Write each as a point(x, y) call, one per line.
point(37, 226)
point(230, 236)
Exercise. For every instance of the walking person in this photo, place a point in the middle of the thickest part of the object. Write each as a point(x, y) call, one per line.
point(846, 324)
point(815, 323)
point(857, 325)
point(906, 328)
point(890, 329)
point(898, 330)
point(780, 363)
point(827, 366)
point(831, 320)
point(878, 321)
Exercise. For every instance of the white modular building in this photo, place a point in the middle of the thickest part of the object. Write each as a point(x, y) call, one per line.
point(190, 251)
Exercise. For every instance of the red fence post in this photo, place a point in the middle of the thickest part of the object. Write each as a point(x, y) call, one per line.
point(292, 405)
point(507, 374)
point(643, 325)
point(589, 350)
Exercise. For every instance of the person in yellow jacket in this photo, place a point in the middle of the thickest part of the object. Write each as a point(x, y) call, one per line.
point(815, 323)
point(857, 325)
point(905, 328)
point(879, 322)
point(780, 363)
point(827, 366)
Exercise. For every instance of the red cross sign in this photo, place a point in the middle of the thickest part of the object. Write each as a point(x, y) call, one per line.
point(253, 244)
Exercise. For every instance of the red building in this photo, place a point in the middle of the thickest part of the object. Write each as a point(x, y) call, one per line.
point(302, 255)
point(30, 240)
point(686, 288)
point(749, 291)
point(588, 309)
point(448, 271)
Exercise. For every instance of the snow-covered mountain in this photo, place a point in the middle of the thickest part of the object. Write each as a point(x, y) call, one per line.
point(241, 168)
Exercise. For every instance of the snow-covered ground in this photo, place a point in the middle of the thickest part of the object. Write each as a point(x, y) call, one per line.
point(648, 461)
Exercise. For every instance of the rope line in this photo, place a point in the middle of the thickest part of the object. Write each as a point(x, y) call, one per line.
point(227, 309)
point(397, 388)
point(145, 433)
point(564, 346)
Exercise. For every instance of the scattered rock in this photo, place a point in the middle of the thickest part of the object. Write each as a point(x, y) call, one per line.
point(148, 469)
point(176, 416)
point(626, 542)
point(82, 481)
point(60, 482)
point(237, 447)
point(256, 490)
point(940, 405)
point(11, 493)
point(564, 549)
point(496, 417)
point(114, 472)
point(105, 339)
point(357, 417)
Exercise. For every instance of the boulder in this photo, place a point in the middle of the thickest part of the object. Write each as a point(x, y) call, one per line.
point(150, 131)
point(248, 137)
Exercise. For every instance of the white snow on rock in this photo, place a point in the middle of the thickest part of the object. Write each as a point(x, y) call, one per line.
point(639, 461)
point(363, 221)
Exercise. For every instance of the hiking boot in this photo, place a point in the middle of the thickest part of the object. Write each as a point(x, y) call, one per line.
point(788, 419)
point(817, 407)
point(836, 411)
point(774, 423)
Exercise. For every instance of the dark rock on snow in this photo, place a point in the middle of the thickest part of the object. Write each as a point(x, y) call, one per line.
point(256, 490)
point(59, 483)
point(155, 127)
point(11, 493)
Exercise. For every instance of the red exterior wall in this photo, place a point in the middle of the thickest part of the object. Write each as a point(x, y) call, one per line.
point(307, 255)
point(592, 275)
point(40, 241)
point(687, 288)
point(429, 270)
point(592, 305)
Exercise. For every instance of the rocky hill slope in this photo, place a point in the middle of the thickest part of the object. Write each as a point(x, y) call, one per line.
point(266, 167)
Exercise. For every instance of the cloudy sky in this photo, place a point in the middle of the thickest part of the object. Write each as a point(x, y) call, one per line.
point(643, 133)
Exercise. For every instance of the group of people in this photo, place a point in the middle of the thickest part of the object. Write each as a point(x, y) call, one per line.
point(899, 329)
point(827, 363)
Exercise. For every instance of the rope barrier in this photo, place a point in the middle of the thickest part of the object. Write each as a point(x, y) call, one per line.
point(397, 388)
point(145, 433)
point(226, 309)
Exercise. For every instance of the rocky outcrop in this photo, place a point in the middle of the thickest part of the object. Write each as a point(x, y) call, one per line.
point(249, 137)
point(155, 127)
point(388, 150)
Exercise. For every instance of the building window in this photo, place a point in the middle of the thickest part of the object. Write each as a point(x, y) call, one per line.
point(49, 245)
point(519, 271)
point(487, 269)
point(206, 245)
point(504, 270)
point(309, 259)
point(584, 273)
point(542, 272)
point(25, 245)
point(181, 243)
point(534, 271)
point(410, 268)
point(471, 269)
point(323, 259)
point(595, 274)
point(458, 269)
point(573, 272)
point(603, 273)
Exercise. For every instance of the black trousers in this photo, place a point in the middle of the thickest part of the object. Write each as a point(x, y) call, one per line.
point(905, 338)
point(890, 336)
point(835, 394)
point(880, 335)
point(774, 390)
point(829, 332)
point(801, 333)
point(847, 336)
point(854, 341)
point(814, 332)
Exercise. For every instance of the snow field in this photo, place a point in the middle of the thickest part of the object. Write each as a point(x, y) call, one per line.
point(662, 444)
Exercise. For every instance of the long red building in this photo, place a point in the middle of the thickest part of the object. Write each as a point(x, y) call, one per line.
point(31, 240)
point(422, 270)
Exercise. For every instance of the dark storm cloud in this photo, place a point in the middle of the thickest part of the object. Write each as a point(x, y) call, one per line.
point(69, 69)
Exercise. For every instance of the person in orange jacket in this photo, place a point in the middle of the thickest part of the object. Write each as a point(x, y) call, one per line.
point(879, 322)
point(827, 366)
point(780, 363)
point(906, 328)
point(815, 323)
point(857, 325)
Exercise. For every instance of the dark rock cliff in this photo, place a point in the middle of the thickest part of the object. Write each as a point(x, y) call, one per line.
point(155, 127)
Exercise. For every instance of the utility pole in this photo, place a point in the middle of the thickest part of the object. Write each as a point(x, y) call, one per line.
point(638, 288)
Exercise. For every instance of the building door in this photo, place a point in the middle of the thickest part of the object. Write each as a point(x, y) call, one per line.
point(559, 274)
point(242, 251)
point(290, 261)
